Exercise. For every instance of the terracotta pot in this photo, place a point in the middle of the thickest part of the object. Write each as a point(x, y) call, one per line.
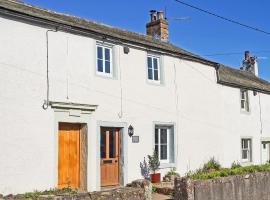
point(155, 178)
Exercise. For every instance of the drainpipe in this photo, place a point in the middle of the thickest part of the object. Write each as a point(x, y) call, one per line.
point(47, 101)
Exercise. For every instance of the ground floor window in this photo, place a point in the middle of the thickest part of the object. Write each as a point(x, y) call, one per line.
point(164, 143)
point(246, 150)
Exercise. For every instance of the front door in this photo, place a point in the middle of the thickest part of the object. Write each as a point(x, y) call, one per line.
point(69, 155)
point(265, 152)
point(110, 156)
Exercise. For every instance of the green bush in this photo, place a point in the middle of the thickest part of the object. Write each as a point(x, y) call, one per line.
point(211, 165)
point(36, 194)
point(235, 165)
point(172, 172)
point(200, 174)
point(153, 162)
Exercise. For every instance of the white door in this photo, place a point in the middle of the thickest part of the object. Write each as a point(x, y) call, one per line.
point(265, 152)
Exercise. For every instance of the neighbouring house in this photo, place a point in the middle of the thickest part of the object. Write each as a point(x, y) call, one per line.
point(82, 103)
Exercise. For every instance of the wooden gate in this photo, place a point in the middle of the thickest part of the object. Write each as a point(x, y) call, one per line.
point(110, 156)
point(69, 155)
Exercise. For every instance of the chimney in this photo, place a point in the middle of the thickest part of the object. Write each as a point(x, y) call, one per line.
point(158, 27)
point(250, 64)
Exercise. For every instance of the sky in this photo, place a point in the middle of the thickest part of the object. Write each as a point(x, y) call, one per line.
point(202, 34)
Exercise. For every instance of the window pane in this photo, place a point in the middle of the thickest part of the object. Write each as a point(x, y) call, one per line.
point(100, 52)
point(155, 63)
point(163, 152)
point(242, 94)
point(163, 136)
point(242, 104)
point(107, 54)
point(149, 60)
point(100, 65)
point(150, 74)
point(156, 75)
point(103, 144)
point(107, 67)
point(244, 154)
point(112, 144)
point(156, 136)
point(156, 149)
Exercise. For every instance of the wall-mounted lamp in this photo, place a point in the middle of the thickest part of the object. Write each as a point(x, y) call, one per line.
point(130, 131)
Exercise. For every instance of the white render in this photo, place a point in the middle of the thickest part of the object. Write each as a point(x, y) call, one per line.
point(207, 116)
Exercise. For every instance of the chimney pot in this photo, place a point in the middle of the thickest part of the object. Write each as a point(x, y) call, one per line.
point(160, 15)
point(153, 15)
point(246, 55)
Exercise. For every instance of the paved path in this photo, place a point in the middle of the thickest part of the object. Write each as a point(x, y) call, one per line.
point(157, 196)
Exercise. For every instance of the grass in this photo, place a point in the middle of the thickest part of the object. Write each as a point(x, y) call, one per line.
point(202, 174)
point(36, 194)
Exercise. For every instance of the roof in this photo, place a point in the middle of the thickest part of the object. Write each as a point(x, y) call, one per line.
point(226, 75)
point(242, 79)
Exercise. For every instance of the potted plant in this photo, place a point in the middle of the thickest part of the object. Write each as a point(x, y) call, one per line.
point(153, 162)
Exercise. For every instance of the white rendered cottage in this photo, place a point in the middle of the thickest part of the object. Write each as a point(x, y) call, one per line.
point(71, 91)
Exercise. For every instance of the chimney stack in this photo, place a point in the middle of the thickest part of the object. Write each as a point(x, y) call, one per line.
point(250, 64)
point(158, 27)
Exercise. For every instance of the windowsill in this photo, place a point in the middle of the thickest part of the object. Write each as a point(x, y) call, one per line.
point(242, 111)
point(104, 75)
point(155, 83)
point(167, 165)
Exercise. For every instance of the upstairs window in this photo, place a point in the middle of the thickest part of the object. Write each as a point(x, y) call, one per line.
point(244, 100)
point(246, 150)
point(104, 60)
point(153, 64)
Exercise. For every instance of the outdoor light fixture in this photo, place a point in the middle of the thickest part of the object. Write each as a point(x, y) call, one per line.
point(130, 131)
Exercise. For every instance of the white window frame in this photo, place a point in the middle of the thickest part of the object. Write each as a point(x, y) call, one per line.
point(104, 46)
point(159, 143)
point(248, 149)
point(245, 100)
point(158, 63)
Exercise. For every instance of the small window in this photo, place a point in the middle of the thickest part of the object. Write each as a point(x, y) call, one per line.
point(153, 64)
point(104, 60)
point(244, 100)
point(246, 150)
point(164, 144)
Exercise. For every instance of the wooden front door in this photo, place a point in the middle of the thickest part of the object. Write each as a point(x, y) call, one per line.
point(69, 155)
point(110, 156)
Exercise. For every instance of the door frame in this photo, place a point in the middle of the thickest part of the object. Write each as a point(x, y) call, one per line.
point(263, 140)
point(123, 158)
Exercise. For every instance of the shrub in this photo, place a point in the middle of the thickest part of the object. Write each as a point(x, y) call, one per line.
point(153, 162)
point(211, 165)
point(200, 174)
point(172, 172)
point(235, 165)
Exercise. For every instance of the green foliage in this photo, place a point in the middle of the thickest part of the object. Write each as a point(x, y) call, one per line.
point(36, 194)
point(153, 162)
point(211, 165)
point(172, 172)
point(223, 172)
point(154, 189)
point(235, 165)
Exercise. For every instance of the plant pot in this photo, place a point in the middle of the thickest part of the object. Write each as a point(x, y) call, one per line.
point(155, 178)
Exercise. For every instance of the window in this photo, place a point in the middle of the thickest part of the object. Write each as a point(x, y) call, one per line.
point(244, 100)
point(153, 64)
point(104, 60)
point(164, 143)
point(246, 150)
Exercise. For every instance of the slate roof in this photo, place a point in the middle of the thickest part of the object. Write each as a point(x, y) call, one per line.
point(226, 75)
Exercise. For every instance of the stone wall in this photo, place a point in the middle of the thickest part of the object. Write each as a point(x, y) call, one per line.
point(137, 190)
point(255, 186)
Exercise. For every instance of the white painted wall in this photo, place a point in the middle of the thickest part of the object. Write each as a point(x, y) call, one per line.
point(207, 115)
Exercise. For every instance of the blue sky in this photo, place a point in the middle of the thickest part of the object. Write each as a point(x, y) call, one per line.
point(203, 34)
